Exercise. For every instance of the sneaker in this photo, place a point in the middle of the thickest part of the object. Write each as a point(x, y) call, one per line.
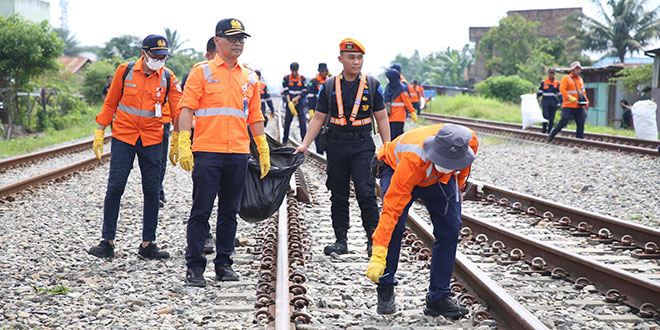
point(152, 252)
point(103, 250)
point(209, 245)
point(195, 278)
point(445, 307)
point(386, 304)
point(225, 273)
point(338, 247)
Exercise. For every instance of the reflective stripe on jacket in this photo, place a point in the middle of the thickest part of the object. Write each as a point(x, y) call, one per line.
point(134, 111)
point(568, 87)
point(399, 106)
point(405, 154)
point(549, 90)
point(224, 101)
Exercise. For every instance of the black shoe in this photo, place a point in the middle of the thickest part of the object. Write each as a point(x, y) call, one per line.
point(338, 247)
point(103, 250)
point(195, 278)
point(445, 307)
point(209, 245)
point(386, 304)
point(152, 252)
point(225, 273)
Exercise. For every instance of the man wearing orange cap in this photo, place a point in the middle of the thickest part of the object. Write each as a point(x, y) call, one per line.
point(345, 109)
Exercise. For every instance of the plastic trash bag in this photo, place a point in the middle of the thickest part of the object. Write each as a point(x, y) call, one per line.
point(644, 120)
point(531, 113)
point(262, 197)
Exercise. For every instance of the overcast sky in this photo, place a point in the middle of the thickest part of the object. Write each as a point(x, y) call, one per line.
point(308, 32)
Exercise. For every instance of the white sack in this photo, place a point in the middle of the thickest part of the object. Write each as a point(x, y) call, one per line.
point(644, 120)
point(531, 112)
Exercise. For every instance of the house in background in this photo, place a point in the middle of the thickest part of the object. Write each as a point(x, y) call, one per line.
point(655, 83)
point(34, 10)
point(74, 65)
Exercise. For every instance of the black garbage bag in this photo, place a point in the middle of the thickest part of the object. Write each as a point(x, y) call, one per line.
point(262, 197)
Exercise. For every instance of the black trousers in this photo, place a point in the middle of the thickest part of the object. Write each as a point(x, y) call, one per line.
point(549, 111)
point(568, 114)
point(351, 159)
point(288, 118)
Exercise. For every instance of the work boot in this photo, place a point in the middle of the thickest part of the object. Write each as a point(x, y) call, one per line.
point(209, 244)
point(103, 250)
point(338, 247)
point(445, 307)
point(551, 136)
point(152, 252)
point(195, 278)
point(386, 304)
point(225, 273)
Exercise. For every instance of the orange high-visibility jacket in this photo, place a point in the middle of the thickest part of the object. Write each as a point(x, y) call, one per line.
point(134, 112)
point(412, 168)
point(568, 87)
point(224, 101)
point(417, 93)
point(399, 106)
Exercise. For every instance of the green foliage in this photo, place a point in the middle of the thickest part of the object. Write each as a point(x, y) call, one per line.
point(125, 46)
point(505, 88)
point(182, 61)
point(174, 39)
point(507, 45)
point(58, 290)
point(95, 78)
point(71, 44)
point(626, 27)
point(446, 67)
point(635, 79)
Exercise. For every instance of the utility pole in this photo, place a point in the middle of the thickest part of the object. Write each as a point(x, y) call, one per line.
point(64, 18)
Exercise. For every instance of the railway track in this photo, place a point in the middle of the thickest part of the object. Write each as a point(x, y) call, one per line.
point(591, 140)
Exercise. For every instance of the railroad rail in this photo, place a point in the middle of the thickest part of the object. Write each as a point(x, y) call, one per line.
point(591, 140)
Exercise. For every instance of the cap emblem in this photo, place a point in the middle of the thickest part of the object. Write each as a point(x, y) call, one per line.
point(349, 45)
point(161, 43)
point(236, 24)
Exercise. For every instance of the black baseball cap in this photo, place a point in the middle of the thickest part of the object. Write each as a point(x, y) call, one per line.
point(156, 44)
point(551, 70)
point(229, 27)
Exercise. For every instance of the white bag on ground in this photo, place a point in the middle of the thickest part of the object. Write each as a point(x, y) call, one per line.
point(643, 113)
point(531, 113)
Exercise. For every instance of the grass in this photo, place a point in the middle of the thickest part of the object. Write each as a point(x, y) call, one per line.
point(491, 109)
point(58, 290)
point(26, 144)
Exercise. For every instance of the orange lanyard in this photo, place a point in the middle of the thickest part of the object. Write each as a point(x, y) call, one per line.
point(358, 97)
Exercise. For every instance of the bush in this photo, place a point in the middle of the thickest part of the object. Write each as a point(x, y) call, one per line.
point(505, 88)
point(95, 79)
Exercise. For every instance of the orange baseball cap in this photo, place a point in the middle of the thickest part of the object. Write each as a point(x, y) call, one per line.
point(351, 45)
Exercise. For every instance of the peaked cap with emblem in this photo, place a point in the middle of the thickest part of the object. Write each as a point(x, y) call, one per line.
point(229, 27)
point(156, 44)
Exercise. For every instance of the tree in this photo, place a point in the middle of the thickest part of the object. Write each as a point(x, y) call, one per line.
point(635, 79)
point(183, 61)
point(628, 29)
point(126, 46)
point(26, 50)
point(173, 38)
point(442, 68)
point(95, 78)
point(71, 44)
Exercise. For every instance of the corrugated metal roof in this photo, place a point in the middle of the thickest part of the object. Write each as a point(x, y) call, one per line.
point(73, 64)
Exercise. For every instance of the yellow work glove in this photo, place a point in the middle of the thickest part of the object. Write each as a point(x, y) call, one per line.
point(185, 154)
point(272, 115)
point(311, 114)
point(174, 148)
point(292, 108)
point(98, 143)
point(376, 266)
point(572, 98)
point(264, 154)
point(413, 115)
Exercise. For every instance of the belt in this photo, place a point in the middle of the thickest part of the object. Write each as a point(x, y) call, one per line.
point(350, 135)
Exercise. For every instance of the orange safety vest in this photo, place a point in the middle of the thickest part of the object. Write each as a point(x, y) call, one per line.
point(134, 112)
point(406, 156)
point(399, 106)
point(224, 101)
point(341, 119)
point(569, 86)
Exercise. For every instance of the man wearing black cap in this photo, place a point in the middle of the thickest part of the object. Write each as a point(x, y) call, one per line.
point(224, 97)
point(136, 104)
point(312, 91)
point(294, 87)
point(549, 91)
point(432, 164)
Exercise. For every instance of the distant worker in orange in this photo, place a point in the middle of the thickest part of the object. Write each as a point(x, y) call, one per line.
point(416, 95)
point(294, 87)
point(576, 103)
point(432, 164)
point(312, 95)
point(549, 93)
point(135, 107)
point(265, 99)
point(224, 97)
point(396, 97)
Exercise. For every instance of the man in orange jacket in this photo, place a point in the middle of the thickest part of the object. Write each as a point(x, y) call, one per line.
point(224, 97)
point(398, 99)
point(135, 106)
point(430, 163)
point(416, 95)
point(575, 102)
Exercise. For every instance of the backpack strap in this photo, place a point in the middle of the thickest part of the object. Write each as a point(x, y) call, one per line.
point(328, 85)
point(371, 82)
point(129, 69)
point(168, 78)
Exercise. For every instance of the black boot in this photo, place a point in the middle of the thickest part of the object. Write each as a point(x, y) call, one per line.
point(386, 304)
point(341, 245)
point(225, 273)
point(552, 135)
point(445, 307)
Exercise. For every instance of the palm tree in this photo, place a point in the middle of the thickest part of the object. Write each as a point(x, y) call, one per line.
point(71, 44)
point(173, 38)
point(628, 29)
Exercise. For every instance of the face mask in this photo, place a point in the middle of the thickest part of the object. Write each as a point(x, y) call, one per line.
point(155, 64)
point(442, 169)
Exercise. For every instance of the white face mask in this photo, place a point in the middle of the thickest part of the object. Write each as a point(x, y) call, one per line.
point(442, 169)
point(155, 64)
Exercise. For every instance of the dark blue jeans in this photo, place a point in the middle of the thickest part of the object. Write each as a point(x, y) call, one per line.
point(288, 118)
point(121, 163)
point(396, 129)
point(568, 114)
point(446, 218)
point(222, 175)
point(163, 160)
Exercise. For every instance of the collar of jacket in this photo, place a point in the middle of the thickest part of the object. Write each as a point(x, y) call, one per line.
point(218, 61)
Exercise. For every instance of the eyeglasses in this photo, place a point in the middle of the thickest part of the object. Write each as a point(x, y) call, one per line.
point(237, 38)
